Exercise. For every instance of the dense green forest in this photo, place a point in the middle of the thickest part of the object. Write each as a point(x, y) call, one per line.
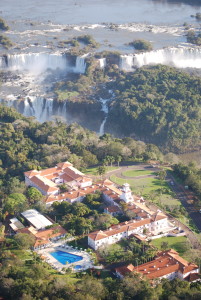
point(157, 104)
point(160, 105)
point(26, 144)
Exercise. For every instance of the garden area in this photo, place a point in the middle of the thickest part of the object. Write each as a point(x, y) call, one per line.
point(180, 243)
point(128, 251)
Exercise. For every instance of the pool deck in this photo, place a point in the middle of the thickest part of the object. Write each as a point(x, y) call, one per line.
point(85, 263)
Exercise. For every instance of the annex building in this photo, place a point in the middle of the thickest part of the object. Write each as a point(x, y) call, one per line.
point(40, 228)
point(167, 264)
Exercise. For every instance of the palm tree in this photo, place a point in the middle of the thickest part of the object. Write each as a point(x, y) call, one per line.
point(101, 170)
point(118, 159)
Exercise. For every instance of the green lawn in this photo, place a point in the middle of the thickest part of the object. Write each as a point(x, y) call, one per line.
point(134, 173)
point(141, 186)
point(94, 171)
point(176, 243)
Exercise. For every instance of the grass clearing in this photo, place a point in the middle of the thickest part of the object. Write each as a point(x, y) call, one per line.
point(134, 173)
point(63, 95)
point(177, 243)
point(141, 186)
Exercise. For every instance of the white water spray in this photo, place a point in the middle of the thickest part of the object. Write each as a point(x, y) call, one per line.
point(34, 63)
point(80, 65)
point(105, 110)
point(102, 62)
point(183, 57)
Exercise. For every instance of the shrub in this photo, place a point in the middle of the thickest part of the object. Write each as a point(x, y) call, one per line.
point(5, 42)
point(3, 25)
point(141, 45)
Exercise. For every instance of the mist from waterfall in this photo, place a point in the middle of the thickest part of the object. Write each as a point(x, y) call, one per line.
point(35, 63)
point(183, 57)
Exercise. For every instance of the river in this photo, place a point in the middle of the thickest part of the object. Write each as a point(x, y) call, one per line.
point(98, 11)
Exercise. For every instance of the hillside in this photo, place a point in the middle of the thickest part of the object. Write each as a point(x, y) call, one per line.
point(159, 105)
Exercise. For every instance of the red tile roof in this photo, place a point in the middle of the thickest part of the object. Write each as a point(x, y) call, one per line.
point(112, 209)
point(125, 269)
point(165, 263)
point(42, 236)
point(120, 228)
point(64, 165)
point(45, 185)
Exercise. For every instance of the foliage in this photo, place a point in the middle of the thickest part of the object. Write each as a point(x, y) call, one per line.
point(128, 250)
point(88, 40)
point(160, 104)
point(141, 45)
point(24, 240)
point(3, 25)
point(34, 195)
point(191, 176)
point(5, 41)
point(193, 38)
point(15, 202)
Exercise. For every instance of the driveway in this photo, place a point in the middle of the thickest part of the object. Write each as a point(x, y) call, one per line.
point(185, 197)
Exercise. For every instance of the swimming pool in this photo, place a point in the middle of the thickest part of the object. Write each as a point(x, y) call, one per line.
point(77, 267)
point(64, 257)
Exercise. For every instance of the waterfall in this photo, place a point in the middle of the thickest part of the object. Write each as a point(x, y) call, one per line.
point(102, 62)
point(35, 63)
point(40, 108)
point(127, 62)
point(3, 62)
point(181, 57)
point(101, 131)
point(80, 65)
point(43, 109)
point(105, 110)
point(62, 109)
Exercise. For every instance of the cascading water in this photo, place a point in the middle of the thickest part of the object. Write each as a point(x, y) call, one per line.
point(34, 63)
point(30, 83)
point(102, 62)
point(80, 65)
point(127, 62)
point(182, 57)
point(40, 108)
point(105, 110)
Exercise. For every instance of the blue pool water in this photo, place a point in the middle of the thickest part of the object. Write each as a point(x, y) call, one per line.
point(64, 257)
point(78, 267)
